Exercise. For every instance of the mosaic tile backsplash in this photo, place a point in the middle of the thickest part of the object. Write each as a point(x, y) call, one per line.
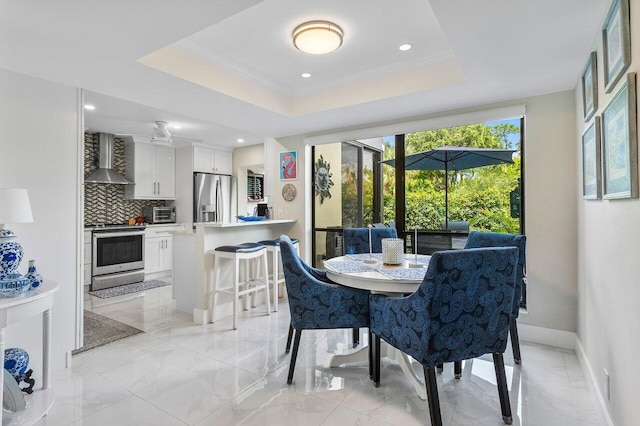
point(106, 203)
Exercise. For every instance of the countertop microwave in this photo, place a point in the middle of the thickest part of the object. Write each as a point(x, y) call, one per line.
point(160, 214)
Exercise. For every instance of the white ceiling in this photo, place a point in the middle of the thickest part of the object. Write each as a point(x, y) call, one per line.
point(226, 69)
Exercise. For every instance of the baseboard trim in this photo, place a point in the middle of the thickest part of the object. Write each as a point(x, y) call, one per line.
point(547, 336)
point(586, 367)
point(201, 316)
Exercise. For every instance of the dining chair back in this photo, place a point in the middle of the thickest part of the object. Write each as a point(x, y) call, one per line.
point(316, 304)
point(461, 310)
point(493, 239)
point(356, 240)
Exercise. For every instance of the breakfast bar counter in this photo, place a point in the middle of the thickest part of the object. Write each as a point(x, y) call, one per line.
point(193, 266)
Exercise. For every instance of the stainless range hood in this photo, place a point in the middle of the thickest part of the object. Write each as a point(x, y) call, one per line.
point(105, 172)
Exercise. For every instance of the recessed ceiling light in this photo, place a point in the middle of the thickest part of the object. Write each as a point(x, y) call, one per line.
point(176, 126)
point(317, 37)
point(404, 47)
point(89, 107)
point(305, 75)
point(240, 140)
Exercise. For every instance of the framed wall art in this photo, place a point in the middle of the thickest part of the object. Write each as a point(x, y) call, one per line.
point(591, 162)
point(289, 165)
point(590, 87)
point(616, 43)
point(620, 143)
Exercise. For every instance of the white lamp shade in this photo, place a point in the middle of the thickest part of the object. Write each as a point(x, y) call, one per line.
point(14, 206)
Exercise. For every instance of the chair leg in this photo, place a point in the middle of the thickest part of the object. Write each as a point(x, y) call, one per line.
point(376, 360)
point(432, 396)
point(515, 342)
point(370, 355)
point(457, 369)
point(356, 337)
point(289, 337)
point(503, 392)
point(294, 355)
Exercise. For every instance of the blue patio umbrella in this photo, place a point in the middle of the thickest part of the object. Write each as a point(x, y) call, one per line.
point(454, 158)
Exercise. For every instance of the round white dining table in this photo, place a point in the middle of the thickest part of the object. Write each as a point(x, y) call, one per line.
point(352, 271)
point(378, 277)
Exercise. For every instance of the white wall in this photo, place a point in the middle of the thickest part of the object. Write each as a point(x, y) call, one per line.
point(550, 212)
point(290, 209)
point(39, 150)
point(608, 282)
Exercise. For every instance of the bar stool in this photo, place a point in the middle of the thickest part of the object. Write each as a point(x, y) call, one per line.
point(276, 278)
point(246, 252)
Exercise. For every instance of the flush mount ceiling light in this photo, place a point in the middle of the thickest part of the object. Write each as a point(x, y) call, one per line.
point(317, 37)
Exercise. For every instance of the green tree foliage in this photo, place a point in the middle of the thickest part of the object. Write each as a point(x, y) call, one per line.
point(480, 195)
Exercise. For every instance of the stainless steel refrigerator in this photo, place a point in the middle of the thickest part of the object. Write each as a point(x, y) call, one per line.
point(214, 198)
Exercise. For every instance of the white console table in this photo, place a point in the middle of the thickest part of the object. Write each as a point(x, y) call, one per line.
point(16, 309)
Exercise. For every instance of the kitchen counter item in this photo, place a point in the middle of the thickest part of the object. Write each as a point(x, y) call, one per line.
point(159, 214)
point(251, 218)
point(240, 223)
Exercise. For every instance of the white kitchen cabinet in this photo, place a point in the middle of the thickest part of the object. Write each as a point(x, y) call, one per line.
point(158, 250)
point(153, 169)
point(209, 160)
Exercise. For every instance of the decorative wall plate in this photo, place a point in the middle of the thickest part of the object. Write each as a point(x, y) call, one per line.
point(323, 181)
point(289, 192)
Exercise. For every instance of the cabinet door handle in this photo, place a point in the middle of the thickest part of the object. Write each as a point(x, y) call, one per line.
point(158, 188)
point(154, 188)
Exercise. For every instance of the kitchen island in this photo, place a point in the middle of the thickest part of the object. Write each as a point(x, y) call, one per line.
point(192, 275)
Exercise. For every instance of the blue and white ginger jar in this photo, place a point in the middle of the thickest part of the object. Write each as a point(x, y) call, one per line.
point(16, 361)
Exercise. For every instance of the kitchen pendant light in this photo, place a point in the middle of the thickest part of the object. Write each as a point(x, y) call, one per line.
point(317, 37)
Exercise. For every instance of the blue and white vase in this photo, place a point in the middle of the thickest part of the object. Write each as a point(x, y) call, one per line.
point(10, 253)
point(33, 276)
point(16, 361)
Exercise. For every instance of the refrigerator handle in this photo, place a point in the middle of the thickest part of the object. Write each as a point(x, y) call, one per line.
point(219, 202)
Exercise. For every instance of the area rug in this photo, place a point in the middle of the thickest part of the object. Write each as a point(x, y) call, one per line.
point(99, 330)
point(127, 289)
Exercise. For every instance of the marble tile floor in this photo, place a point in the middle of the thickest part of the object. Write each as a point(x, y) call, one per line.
point(179, 373)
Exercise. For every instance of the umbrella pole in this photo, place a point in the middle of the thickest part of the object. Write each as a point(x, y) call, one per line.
point(446, 194)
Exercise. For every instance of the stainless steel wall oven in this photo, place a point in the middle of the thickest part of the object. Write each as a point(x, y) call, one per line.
point(118, 256)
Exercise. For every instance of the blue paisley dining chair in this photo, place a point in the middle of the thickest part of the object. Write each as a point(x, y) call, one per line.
point(318, 305)
point(493, 239)
point(321, 275)
point(356, 240)
point(461, 310)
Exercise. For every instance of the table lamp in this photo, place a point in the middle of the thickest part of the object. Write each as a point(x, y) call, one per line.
point(14, 208)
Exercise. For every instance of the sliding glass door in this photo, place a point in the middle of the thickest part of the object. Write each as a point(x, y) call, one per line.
point(348, 194)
